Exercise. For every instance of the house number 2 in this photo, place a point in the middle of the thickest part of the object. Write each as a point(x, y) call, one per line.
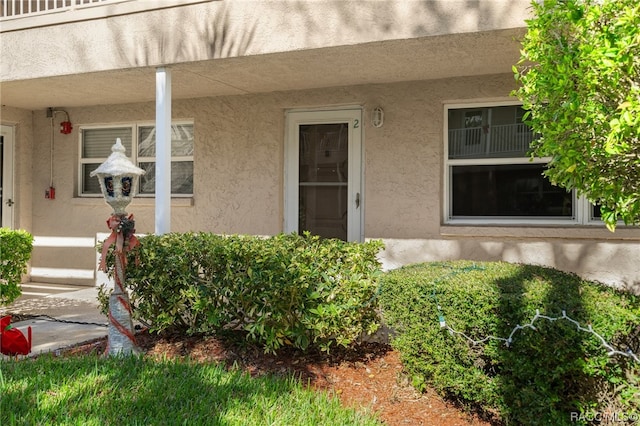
point(356, 123)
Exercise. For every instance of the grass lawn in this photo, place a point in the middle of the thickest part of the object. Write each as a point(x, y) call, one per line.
point(91, 390)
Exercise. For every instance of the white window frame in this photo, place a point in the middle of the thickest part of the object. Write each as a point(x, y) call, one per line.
point(582, 208)
point(133, 155)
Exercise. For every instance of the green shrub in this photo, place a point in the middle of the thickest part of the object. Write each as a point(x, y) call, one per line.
point(286, 290)
point(15, 252)
point(545, 373)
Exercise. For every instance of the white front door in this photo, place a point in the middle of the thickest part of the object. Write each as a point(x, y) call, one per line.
point(6, 176)
point(323, 173)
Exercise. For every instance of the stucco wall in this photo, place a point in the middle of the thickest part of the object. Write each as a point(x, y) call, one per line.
point(221, 29)
point(611, 260)
point(238, 182)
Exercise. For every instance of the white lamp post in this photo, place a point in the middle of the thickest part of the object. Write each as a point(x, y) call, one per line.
point(119, 178)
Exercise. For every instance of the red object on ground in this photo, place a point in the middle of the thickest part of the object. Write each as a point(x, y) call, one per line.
point(12, 340)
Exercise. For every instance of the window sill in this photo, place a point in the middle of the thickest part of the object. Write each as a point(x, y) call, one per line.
point(137, 202)
point(573, 232)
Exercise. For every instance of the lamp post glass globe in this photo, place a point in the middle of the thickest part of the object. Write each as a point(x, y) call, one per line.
point(118, 178)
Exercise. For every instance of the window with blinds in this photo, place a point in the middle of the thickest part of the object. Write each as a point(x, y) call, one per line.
point(139, 142)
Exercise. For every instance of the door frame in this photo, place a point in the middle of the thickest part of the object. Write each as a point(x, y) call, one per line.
point(355, 188)
point(8, 137)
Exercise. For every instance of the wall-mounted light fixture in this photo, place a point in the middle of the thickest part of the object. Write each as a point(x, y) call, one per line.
point(377, 117)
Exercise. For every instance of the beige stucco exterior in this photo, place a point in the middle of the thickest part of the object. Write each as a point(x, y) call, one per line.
point(239, 47)
point(410, 58)
point(227, 29)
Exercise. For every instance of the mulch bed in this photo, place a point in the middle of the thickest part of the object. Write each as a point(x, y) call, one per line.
point(369, 376)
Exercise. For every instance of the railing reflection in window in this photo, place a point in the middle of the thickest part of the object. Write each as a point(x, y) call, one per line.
point(500, 141)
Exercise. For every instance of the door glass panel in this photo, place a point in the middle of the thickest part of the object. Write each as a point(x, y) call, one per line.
point(323, 180)
point(323, 211)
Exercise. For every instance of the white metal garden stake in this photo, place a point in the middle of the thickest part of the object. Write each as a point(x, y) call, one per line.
point(119, 178)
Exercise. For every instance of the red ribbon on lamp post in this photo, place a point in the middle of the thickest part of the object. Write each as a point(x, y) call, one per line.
point(122, 235)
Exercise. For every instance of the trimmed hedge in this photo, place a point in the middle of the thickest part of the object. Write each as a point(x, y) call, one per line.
point(286, 290)
point(15, 252)
point(546, 373)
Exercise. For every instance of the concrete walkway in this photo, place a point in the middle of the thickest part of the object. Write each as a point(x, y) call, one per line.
point(59, 315)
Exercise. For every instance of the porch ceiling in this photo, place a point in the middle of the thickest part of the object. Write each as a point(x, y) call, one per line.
point(382, 62)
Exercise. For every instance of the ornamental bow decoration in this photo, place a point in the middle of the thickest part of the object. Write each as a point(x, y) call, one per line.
point(12, 340)
point(122, 235)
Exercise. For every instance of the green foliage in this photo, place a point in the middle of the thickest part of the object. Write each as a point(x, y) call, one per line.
point(580, 80)
point(96, 391)
point(546, 373)
point(15, 252)
point(286, 290)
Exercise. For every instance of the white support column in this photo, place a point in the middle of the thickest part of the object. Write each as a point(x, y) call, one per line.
point(163, 151)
